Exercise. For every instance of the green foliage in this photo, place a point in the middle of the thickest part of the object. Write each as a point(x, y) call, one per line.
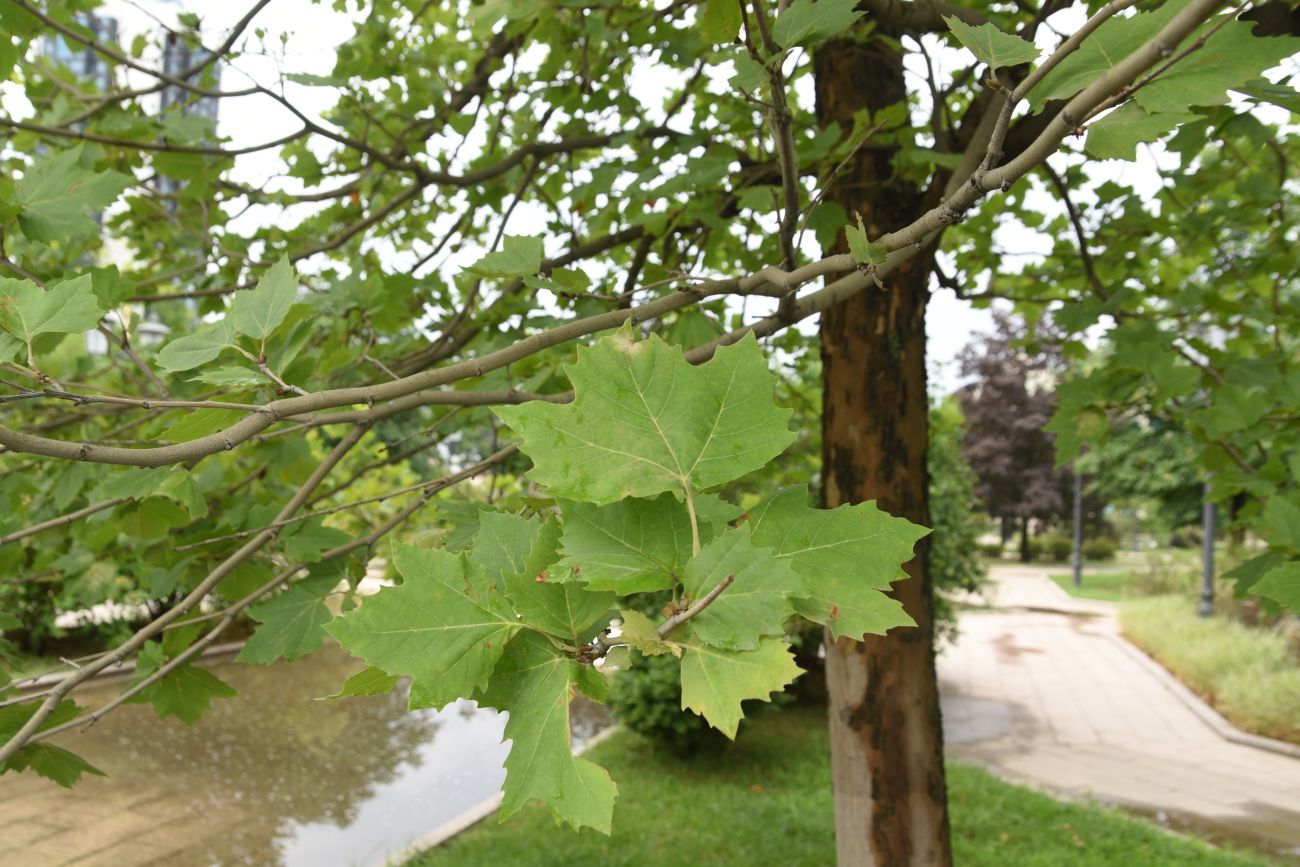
point(1099, 549)
point(647, 699)
point(57, 194)
point(517, 621)
point(954, 512)
point(991, 45)
point(645, 421)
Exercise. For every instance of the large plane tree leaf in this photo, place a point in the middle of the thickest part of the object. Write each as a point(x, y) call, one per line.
point(441, 626)
point(565, 609)
point(1282, 585)
point(630, 546)
point(185, 692)
point(54, 763)
point(716, 681)
point(27, 311)
point(292, 624)
point(56, 197)
point(991, 45)
point(754, 605)
point(534, 682)
point(259, 312)
point(645, 421)
point(847, 556)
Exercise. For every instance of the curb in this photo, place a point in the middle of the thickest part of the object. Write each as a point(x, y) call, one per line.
point(1198, 706)
point(470, 817)
point(123, 668)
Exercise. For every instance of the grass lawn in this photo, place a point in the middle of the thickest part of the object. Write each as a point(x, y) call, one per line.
point(1107, 586)
point(1246, 673)
point(767, 801)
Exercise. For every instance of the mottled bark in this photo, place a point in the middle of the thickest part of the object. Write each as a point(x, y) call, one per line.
point(886, 740)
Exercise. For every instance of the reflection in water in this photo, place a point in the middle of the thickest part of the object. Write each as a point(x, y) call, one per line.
point(276, 776)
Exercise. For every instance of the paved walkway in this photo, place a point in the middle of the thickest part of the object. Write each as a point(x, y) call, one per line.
point(1043, 690)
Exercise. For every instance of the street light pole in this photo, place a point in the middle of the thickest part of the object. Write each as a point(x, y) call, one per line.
point(1078, 528)
point(1207, 551)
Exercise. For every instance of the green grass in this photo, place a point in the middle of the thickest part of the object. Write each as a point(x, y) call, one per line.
point(1246, 673)
point(767, 801)
point(1107, 586)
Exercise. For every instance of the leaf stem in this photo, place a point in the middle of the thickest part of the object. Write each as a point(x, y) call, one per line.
point(695, 524)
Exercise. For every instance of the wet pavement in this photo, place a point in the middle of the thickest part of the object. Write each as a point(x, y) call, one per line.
point(1056, 699)
point(273, 777)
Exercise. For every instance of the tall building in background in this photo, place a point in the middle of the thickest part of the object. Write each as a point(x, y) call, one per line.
point(180, 56)
point(82, 60)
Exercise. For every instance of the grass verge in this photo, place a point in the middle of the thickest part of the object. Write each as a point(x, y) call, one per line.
point(1106, 586)
point(767, 800)
point(1246, 673)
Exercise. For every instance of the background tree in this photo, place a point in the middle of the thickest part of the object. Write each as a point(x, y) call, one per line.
point(384, 272)
point(1007, 407)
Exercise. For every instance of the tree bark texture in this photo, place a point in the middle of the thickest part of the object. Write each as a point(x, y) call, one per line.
point(886, 739)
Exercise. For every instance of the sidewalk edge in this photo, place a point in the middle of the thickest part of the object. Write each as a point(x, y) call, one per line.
point(1198, 706)
point(470, 817)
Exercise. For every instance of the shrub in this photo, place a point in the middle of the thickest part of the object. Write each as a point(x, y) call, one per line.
point(647, 698)
point(1036, 547)
point(1186, 537)
point(991, 549)
point(1058, 547)
point(1099, 549)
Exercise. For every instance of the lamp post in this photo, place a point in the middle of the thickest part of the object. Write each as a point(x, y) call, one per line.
point(1207, 553)
point(1078, 528)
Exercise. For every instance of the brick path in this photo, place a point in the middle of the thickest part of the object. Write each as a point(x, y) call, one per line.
point(1056, 699)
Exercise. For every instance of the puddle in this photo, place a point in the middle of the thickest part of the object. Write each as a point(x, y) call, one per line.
point(1262, 830)
point(276, 777)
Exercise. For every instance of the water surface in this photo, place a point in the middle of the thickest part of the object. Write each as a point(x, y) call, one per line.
point(273, 777)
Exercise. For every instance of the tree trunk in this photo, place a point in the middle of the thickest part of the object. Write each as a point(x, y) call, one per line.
point(886, 740)
point(1024, 540)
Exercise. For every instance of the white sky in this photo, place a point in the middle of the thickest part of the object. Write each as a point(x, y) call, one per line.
point(314, 30)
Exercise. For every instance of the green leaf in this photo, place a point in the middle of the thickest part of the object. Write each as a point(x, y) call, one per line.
point(1282, 585)
point(1231, 57)
point(56, 197)
point(640, 633)
point(184, 693)
point(230, 376)
point(860, 248)
point(520, 256)
point(807, 21)
point(565, 609)
point(193, 424)
point(534, 682)
point(715, 682)
point(257, 313)
point(53, 763)
point(847, 556)
point(1247, 574)
point(1117, 135)
point(632, 546)
point(192, 350)
point(313, 538)
point(1279, 522)
point(757, 602)
point(720, 21)
point(991, 45)
point(1113, 41)
point(28, 311)
point(292, 623)
point(442, 626)
point(367, 681)
point(645, 421)
point(504, 545)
